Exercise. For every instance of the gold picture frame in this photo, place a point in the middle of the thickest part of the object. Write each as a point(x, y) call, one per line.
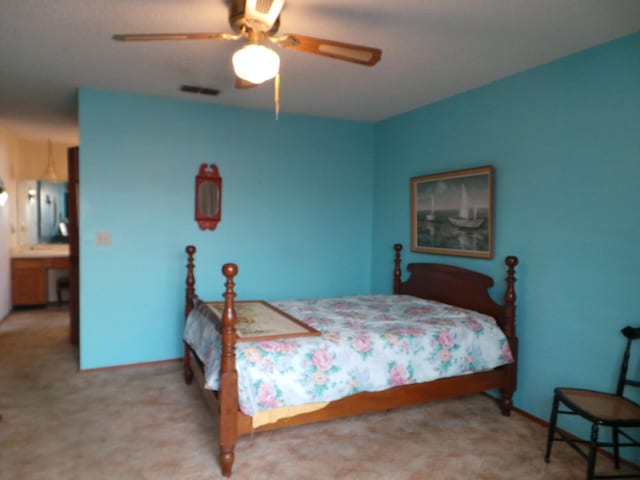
point(452, 213)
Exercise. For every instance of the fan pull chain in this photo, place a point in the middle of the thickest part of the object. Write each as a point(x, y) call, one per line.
point(276, 94)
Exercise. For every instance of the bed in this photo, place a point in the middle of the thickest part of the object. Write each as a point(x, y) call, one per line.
point(431, 291)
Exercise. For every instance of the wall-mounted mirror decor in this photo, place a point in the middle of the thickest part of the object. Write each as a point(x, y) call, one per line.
point(208, 197)
point(42, 212)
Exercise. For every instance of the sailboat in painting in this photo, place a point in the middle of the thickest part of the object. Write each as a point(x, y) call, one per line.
point(431, 216)
point(464, 218)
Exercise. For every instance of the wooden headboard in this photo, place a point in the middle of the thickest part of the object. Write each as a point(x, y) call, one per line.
point(457, 286)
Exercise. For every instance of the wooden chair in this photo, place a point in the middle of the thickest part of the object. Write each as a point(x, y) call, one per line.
point(601, 410)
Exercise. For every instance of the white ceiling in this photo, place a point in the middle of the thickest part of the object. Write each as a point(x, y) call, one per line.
point(432, 49)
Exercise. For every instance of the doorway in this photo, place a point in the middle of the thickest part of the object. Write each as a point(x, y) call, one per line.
point(73, 154)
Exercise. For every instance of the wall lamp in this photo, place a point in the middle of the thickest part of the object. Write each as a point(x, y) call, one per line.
point(50, 173)
point(4, 196)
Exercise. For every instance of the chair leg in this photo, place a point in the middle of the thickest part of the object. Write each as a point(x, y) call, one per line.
point(591, 460)
point(552, 427)
point(616, 447)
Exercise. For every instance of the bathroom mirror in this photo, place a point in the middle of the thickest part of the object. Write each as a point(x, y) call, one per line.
point(208, 197)
point(42, 212)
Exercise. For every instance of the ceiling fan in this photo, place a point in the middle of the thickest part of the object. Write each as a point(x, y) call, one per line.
point(257, 22)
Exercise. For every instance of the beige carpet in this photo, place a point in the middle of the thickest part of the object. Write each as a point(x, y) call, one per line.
point(145, 423)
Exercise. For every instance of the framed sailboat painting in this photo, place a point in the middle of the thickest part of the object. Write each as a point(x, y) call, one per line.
point(452, 213)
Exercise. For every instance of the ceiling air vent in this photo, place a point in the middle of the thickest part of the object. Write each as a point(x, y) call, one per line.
point(201, 90)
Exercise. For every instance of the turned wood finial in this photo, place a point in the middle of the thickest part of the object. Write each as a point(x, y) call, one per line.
point(191, 280)
point(510, 296)
point(229, 270)
point(190, 292)
point(397, 271)
point(506, 403)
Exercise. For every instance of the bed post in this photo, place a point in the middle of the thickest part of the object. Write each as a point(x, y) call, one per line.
point(397, 271)
point(228, 395)
point(191, 281)
point(509, 328)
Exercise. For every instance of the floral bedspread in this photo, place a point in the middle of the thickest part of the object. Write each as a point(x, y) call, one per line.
point(368, 343)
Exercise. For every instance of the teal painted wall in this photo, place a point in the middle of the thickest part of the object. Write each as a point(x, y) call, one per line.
point(296, 214)
point(564, 139)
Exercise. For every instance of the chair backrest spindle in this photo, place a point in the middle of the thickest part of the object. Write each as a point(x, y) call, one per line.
point(631, 334)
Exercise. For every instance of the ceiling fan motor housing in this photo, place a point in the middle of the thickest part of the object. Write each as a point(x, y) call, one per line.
point(237, 16)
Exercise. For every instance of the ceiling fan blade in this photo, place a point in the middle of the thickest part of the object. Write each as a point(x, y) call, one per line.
point(137, 37)
point(328, 48)
point(241, 83)
point(262, 14)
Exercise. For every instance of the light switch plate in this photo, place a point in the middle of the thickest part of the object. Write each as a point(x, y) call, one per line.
point(103, 238)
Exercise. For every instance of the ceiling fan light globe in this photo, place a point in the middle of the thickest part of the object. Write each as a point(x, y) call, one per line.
point(256, 63)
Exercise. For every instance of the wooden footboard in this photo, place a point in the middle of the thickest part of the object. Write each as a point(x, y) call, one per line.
point(452, 285)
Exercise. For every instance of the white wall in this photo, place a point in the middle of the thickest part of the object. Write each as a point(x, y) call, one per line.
point(7, 219)
point(32, 158)
point(20, 159)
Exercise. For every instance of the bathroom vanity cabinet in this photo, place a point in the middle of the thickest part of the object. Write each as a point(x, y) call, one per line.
point(29, 284)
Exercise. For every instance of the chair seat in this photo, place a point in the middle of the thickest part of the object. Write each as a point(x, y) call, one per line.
point(603, 406)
